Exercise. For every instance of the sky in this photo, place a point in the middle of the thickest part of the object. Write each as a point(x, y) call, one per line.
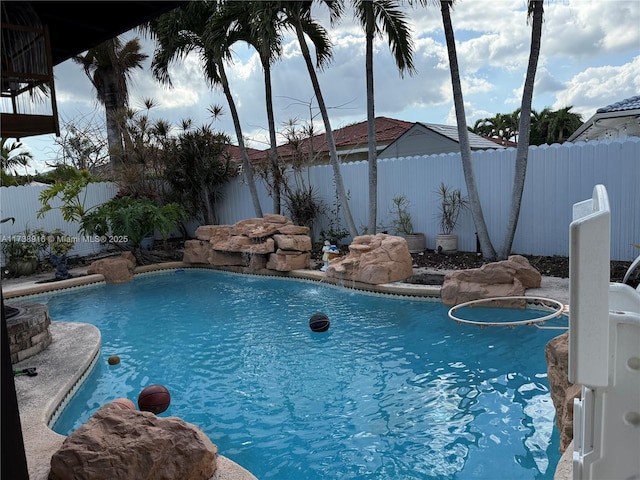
point(589, 58)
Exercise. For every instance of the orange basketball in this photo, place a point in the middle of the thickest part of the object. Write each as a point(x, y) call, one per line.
point(154, 399)
point(124, 403)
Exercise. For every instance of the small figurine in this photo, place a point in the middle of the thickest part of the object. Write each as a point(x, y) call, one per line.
point(325, 255)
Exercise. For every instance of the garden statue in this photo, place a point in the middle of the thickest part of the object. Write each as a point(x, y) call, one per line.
point(60, 262)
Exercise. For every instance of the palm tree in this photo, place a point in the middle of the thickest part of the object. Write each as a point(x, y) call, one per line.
point(488, 252)
point(393, 22)
point(109, 67)
point(184, 30)
point(298, 17)
point(562, 124)
point(535, 13)
point(257, 23)
point(14, 155)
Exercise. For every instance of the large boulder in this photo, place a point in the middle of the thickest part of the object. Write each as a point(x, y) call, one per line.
point(563, 392)
point(122, 444)
point(507, 278)
point(374, 259)
point(115, 269)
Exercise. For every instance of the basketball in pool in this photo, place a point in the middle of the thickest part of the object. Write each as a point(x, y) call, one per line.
point(154, 399)
point(319, 322)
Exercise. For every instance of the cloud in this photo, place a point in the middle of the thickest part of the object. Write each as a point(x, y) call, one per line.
point(597, 87)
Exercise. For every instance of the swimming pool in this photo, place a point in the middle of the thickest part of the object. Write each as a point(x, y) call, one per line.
point(394, 389)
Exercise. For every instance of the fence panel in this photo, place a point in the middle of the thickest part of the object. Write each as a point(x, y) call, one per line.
point(557, 177)
point(22, 203)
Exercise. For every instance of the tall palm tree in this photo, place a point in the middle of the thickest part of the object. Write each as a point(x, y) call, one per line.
point(488, 252)
point(298, 17)
point(377, 16)
point(14, 155)
point(185, 30)
point(535, 13)
point(109, 67)
point(562, 123)
point(257, 23)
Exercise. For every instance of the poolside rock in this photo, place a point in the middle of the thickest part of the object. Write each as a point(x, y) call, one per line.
point(115, 269)
point(124, 444)
point(373, 259)
point(272, 242)
point(507, 278)
point(563, 392)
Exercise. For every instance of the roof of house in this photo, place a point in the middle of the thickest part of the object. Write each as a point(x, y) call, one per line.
point(611, 114)
point(451, 131)
point(632, 103)
point(352, 136)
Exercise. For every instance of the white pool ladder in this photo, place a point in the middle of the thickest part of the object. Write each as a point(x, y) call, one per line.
point(604, 351)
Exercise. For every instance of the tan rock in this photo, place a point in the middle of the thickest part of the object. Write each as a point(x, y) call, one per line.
point(207, 232)
point(196, 251)
point(124, 444)
point(286, 261)
point(374, 259)
point(291, 229)
point(562, 391)
point(506, 278)
point(300, 243)
point(115, 269)
point(277, 219)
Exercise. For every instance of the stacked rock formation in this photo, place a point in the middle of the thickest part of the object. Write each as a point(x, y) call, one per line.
point(374, 259)
point(272, 243)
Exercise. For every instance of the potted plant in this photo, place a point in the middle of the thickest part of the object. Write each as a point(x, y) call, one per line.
point(451, 204)
point(22, 252)
point(403, 226)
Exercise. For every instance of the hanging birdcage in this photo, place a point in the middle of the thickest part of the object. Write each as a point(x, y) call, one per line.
point(28, 105)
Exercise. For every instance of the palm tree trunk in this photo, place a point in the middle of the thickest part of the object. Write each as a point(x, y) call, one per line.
point(488, 252)
point(522, 152)
point(246, 164)
point(273, 150)
point(371, 131)
point(333, 154)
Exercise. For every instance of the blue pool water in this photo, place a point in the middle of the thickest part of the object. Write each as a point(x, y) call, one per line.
point(393, 390)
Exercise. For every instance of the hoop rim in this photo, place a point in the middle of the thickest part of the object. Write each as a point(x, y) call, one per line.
point(559, 310)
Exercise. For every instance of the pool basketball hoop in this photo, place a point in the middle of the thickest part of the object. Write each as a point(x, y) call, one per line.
point(539, 309)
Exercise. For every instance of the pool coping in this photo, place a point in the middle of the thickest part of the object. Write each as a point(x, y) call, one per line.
point(41, 442)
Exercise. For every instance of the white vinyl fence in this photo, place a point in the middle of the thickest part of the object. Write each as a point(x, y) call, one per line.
point(557, 177)
point(22, 203)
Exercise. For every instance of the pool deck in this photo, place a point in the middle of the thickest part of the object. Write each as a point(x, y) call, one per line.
point(63, 365)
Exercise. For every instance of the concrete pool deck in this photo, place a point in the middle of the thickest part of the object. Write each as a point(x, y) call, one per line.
point(61, 367)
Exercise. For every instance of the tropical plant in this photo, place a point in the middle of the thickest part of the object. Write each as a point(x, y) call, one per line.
point(14, 155)
point(304, 205)
point(72, 194)
point(375, 17)
point(451, 203)
point(187, 29)
point(131, 220)
point(199, 168)
point(401, 221)
point(109, 67)
point(298, 17)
